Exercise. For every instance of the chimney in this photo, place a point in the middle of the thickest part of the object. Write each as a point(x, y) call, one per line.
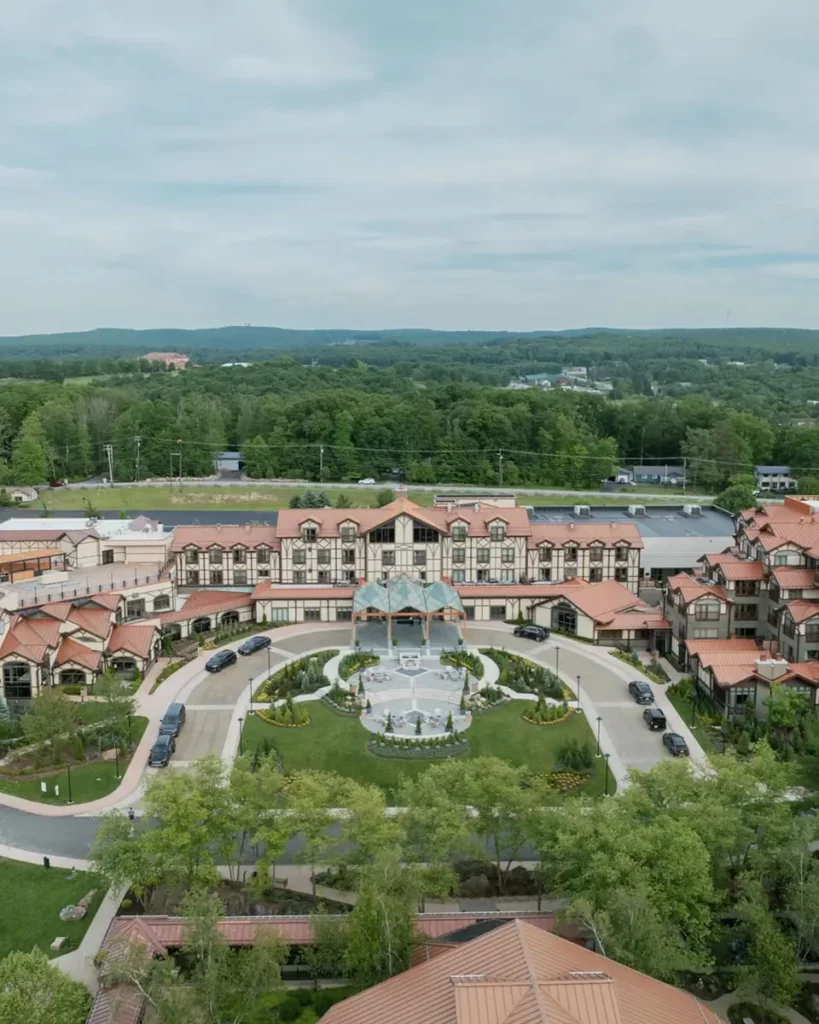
point(770, 669)
point(571, 526)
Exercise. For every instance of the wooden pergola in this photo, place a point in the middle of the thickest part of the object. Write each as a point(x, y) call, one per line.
point(404, 597)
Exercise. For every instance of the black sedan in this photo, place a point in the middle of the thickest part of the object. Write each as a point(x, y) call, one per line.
point(677, 746)
point(641, 692)
point(220, 660)
point(539, 633)
point(161, 751)
point(253, 644)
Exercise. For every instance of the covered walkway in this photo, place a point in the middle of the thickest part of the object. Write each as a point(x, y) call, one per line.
point(404, 598)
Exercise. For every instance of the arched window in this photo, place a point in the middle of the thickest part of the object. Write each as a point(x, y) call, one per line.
point(201, 625)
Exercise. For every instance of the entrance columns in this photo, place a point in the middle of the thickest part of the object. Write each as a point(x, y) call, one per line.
point(389, 631)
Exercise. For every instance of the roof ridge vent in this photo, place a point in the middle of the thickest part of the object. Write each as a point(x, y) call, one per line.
point(466, 979)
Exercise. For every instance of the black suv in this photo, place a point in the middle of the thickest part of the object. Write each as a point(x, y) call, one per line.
point(253, 644)
point(172, 720)
point(641, 692)
point(539, 633)
point(220, 660)
point(677, 746)
point(654, 718)
point(161, 751)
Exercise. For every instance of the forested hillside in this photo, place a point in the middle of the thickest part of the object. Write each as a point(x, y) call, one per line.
point(432, 424)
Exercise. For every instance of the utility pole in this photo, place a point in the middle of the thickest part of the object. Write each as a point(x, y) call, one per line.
point(321, 463)
point(500, 469)
point(109, 451)
point(137, 442)
point(179, 442)
point(685, 472)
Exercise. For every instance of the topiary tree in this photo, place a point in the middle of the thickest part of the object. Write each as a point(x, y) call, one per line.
point(449, 723)
point(418, 729)
point(389, 727)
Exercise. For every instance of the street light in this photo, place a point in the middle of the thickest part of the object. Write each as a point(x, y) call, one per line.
point(607, 756)
point(557, 661)
point(599, 720)
point(240, 735)
point(130, 737)
point(70, 797)
point(250, 689)
point(578, 693)
point(268, 662)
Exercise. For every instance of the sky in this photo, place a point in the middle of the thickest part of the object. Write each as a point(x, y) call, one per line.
point(524, 165)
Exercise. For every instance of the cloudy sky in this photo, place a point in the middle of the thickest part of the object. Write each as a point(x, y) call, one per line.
point(522, 164)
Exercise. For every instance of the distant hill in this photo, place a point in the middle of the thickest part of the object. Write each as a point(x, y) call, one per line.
point(245, 341)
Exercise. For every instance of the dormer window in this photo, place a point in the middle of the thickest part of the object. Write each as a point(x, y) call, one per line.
point(621, 553)
point(309, 534)
point(596, 553)
point(215, 555)
point(571, 553)
point(348, 534)
point(459, 533)
point(263, 556)
point(191, 557)
point(239, 556)
point(545, 554)
point(497, 531)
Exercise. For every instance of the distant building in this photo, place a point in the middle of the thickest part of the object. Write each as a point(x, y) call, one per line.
point(774, 478)
point(672, 476)
point(22, 495)
point(229, 462)
point(174, 359)
point(227, 366)
point(580, 372)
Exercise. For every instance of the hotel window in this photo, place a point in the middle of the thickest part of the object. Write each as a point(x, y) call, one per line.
point(239, 556)
point(706, 634)
point(419, 558)
point(344, 614)
point(162, 602)
point(192, 578)
point(621, 553)
point(470, 613)
point(621, 574)
point(459, 556)
point(423, 534)
point(570, 572)
point(312, 614)
point(323, 576)
point(459, 534)
point(507, 576)
point(546, 573)
point(107, 557)
point(812, 632)
point(707, 611)
point(347, 534)
point(191, 557)
point(497, 532)
point(458, 576)
point(348, 556)
point(382, 535)
point(781, 559)
point(323, 556)
point(299, 556)
point(215, 556)
point(263, 556)
point(545, 554)
point(497, 612)
point(482, 556)
point(482, 575)
point(571, 554)
point(309, 534)
point(217, 577)
point(240, 577)
point(388, 558)
point(349, 575)
point(508, 555)
point(264, 574)
point(299, 576)
point(596, 574)
point(596, 553)
point(750, 588)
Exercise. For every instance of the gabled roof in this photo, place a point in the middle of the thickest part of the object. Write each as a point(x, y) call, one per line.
point(518, 974)
point(692, 589)
point(249, 536)
point(801, 611)
point(96, 621)
point(30, 638)
point(402, 592)
point(135, 638)
point(206, 602)
point(733, 568)
point(73, 653)
point(608, 534)
point(789, 578)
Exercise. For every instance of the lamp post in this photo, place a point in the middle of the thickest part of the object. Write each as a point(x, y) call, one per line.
point(557, 661)
point(130, 737)
point(268, 662)
point(599, 720)
point(70, 797)
point(607, 756)
point(578, 693)
point(240, 735)
point(250, 689)
point(116, 753)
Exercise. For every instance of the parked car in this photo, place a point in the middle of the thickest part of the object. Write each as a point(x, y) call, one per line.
point(367, 480)
point(677, 746)
point(641, 692)
point(539, 633)
point(161, 751)
point(253, 644)
point(172, 720)
point(654, 718)
point(220, 660)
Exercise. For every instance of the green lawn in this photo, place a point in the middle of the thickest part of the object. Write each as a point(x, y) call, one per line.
point(333, 742)
point(32, 898)
point(88, 781)
point(710, 742)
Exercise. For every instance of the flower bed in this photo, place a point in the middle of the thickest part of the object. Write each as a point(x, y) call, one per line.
point(303, 676)
point(542, 713)
point(342, 700)
point(354, 662)
point(524, 676)
point(654, 670)
point(289, 715)
point(484, 700)
point(426, 748)
point(464, 659)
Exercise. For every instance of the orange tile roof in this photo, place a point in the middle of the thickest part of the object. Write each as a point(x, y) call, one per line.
point(30, 638)
point(24, 556)
point(773, 514)
point(801, 611)
point(96, 621)
point(584, 534)
point(638, 618)
point(71, 652)
point(518, 974)
point(206, 602)
point(803, 534)
point(692, 589)
point(136, 638)
point(731, 661)
point(789, 578)
point(260, 535)
point(266, 591)
point(75, 536)
point(733, 568)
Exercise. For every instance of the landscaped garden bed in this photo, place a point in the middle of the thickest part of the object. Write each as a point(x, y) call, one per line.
point(524, 676)
point(288, 715)
point(423, 748)
point(306, 675)
point(654, 670)
point(542, 713)
point(483, 700)
point(356, 661)
point(342, 700)
point(168, 671)
point(464, 659)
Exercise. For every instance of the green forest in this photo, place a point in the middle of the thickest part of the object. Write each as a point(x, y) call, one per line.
point(414, 408)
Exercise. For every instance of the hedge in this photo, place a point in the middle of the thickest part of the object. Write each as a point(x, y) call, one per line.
point(464, 659)
point(351, 663)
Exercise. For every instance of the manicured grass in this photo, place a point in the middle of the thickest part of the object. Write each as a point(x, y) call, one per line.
point(32, 898)
point(88, 781)
point(710, 742)
point(333, 742)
